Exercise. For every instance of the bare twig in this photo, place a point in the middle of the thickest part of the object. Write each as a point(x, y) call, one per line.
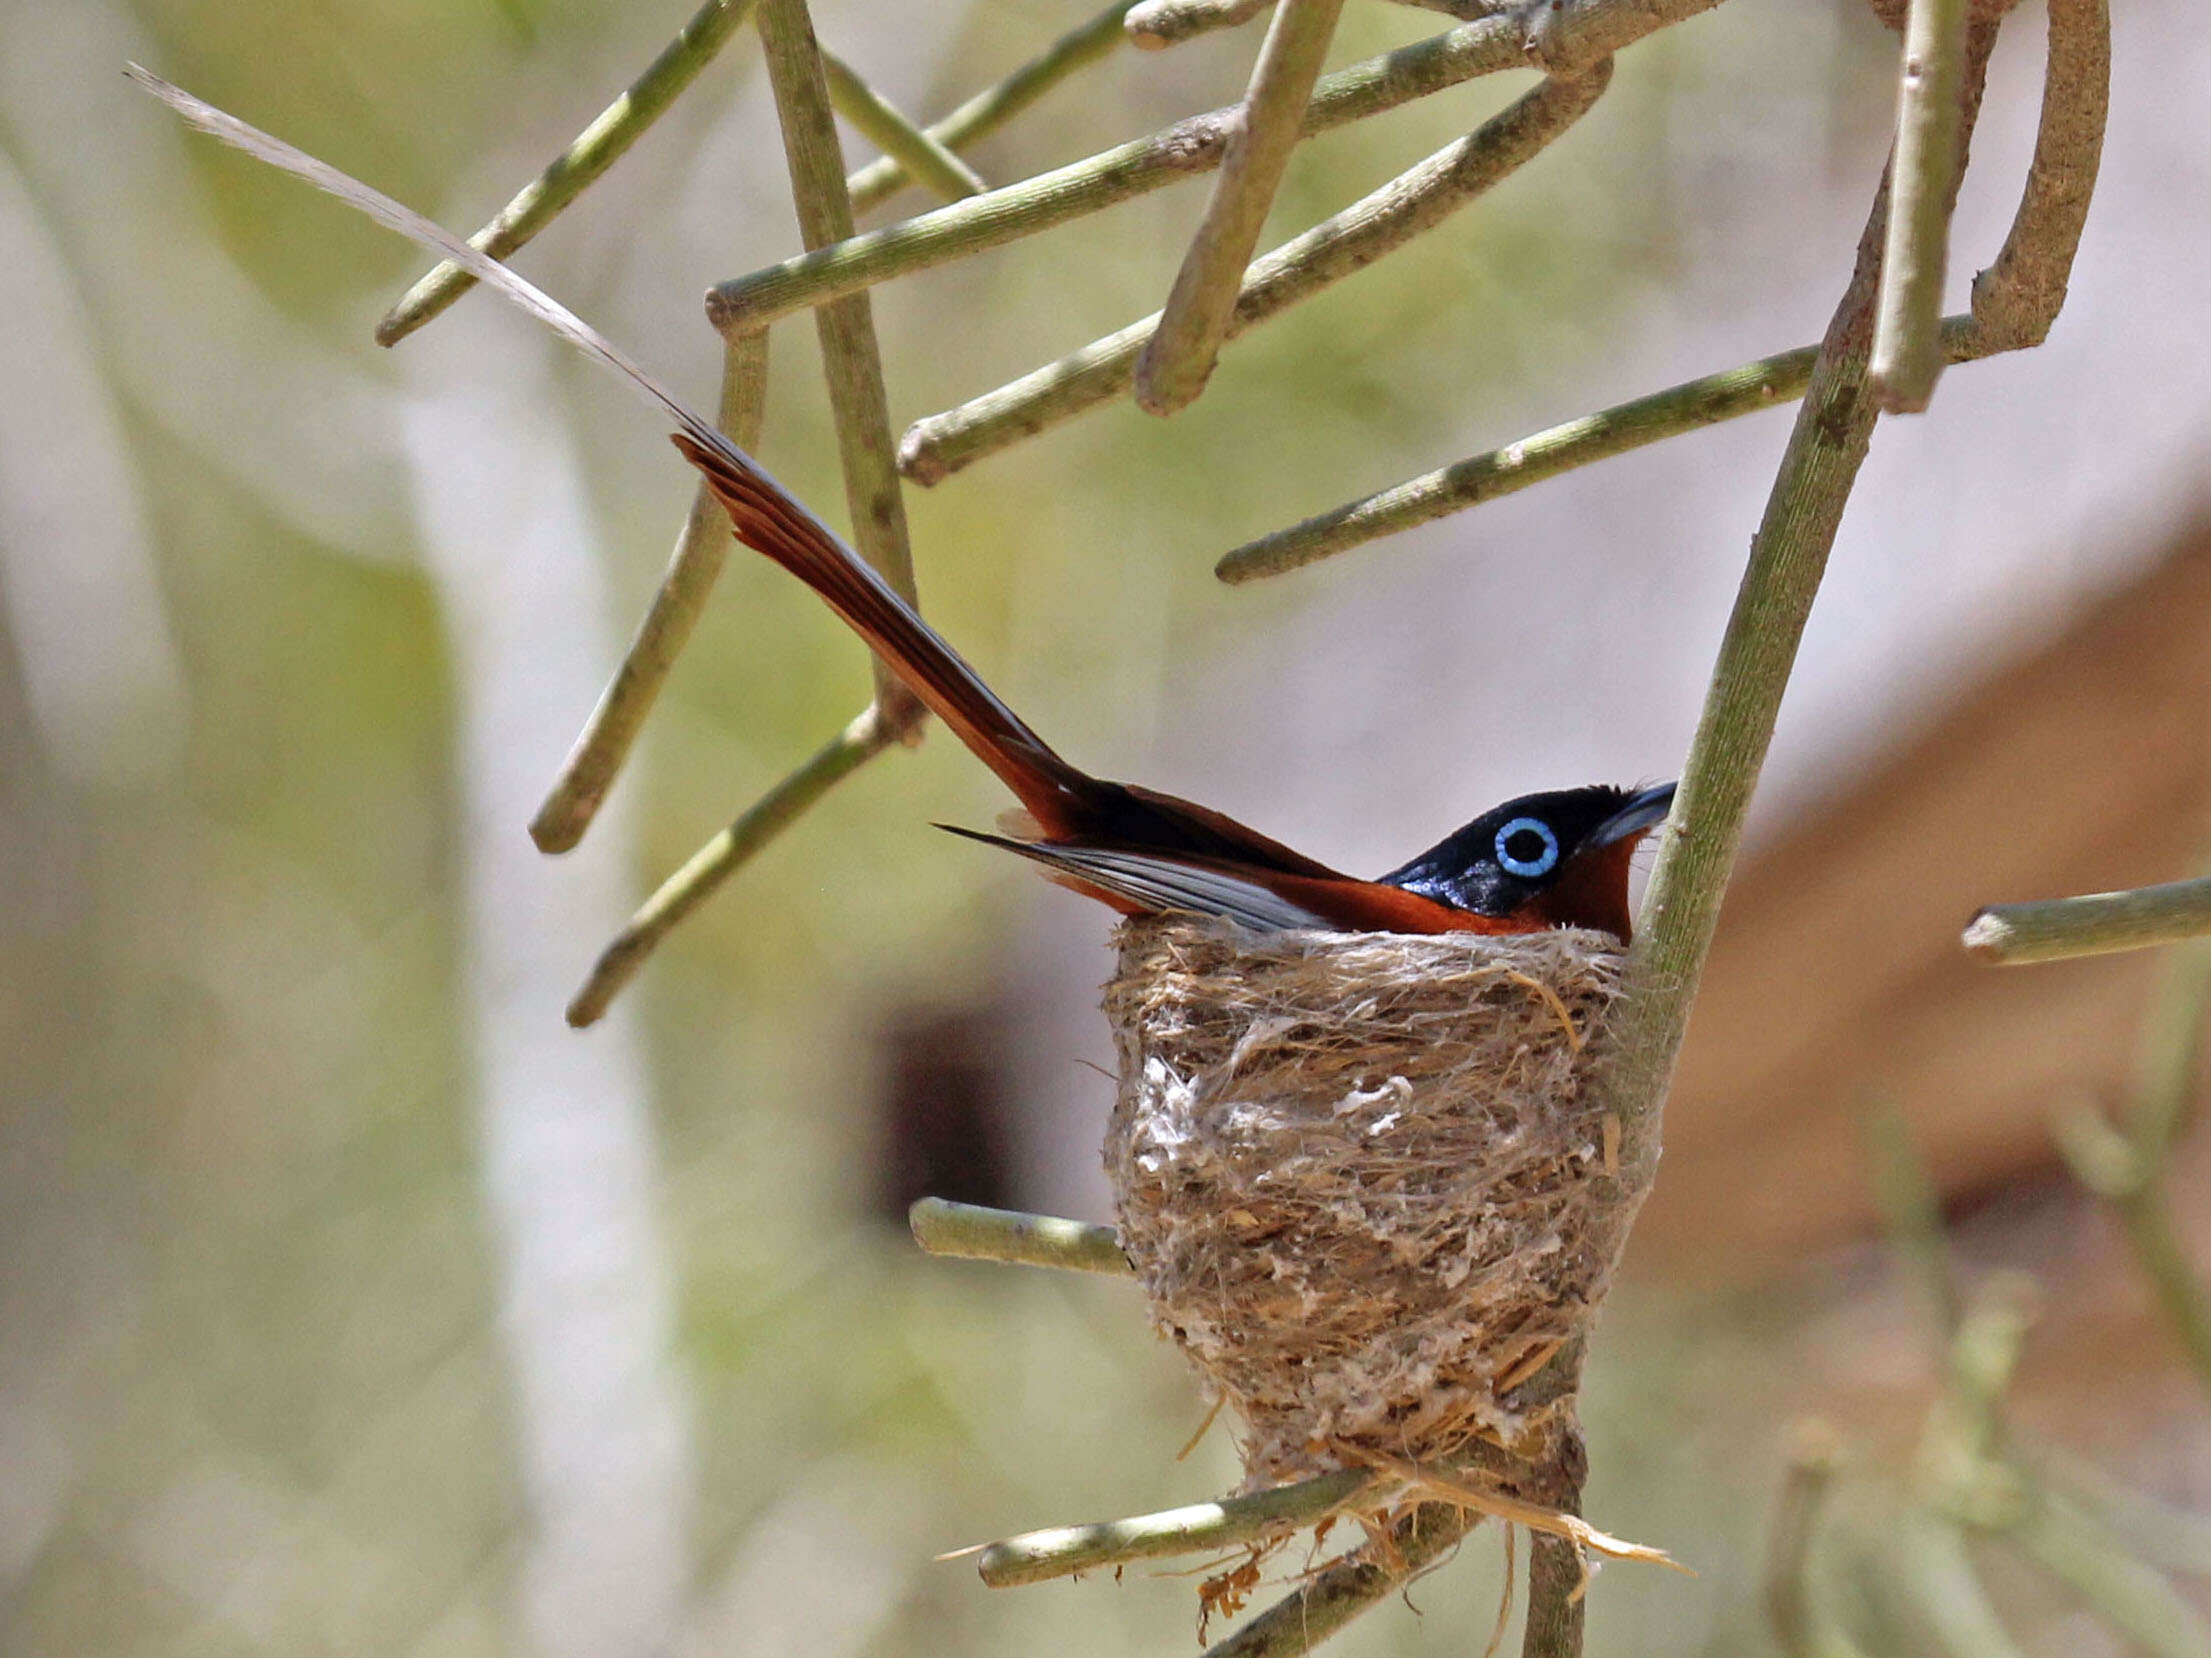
point(1038, 1556)
point(701, 550)
point(852, 363)
point(1179, 357)
point(1331, 1598)
point(1573, 36)
point(973, 1232)
point(722, 857)
point(1155, 25)
point(2017, 299)
point(2015, 302)
point(1334, 1596)
point(1540, 1518)
point(927, 160)
point(2093, 924)
point(594, 150)
point(1764, 384)
point(995, 105)
point(1907, 348)
point(2126, 1166)
point(1375, 225)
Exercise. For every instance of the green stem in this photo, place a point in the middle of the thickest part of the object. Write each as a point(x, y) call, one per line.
point(2163, 1259)
point(1907, 344)
point(593, 151)
point(1697, 853)
point(1156, 25)
point(2092, 924)
point(701, 549)
point(1038, 1556)
point(972, 1232)
point(722, 857)
point(926, 160)
point(995, 105)
point(1973, 1478)
point(1834, 427)
point(1748, 389)
point(1179, 358)
point(1574, 36)
point(2168, 1538)
point(852, 361)
point(1370, 228)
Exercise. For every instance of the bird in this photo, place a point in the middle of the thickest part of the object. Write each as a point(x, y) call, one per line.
point(1556, 859)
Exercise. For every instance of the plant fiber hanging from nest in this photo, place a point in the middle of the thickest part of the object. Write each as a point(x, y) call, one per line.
point(1364, 1179)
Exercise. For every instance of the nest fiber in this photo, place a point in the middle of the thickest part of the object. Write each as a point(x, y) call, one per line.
point(1363, 1178)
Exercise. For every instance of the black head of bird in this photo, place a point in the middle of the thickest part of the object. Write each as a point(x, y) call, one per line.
point(1558, 859)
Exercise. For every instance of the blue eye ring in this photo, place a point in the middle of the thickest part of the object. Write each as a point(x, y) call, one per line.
point(1527, 868)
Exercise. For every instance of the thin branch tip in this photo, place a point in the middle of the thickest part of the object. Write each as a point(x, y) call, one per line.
point(1179, 358)
point(970, 1231)
point(1929, 161)
point(2091, 924)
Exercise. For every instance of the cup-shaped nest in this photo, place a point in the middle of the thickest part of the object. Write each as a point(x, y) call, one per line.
point(1365, 1179)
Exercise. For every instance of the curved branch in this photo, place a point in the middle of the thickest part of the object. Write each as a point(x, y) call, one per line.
point(2017, 299)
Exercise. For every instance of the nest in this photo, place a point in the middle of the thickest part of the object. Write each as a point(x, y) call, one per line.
point(1364, 1181)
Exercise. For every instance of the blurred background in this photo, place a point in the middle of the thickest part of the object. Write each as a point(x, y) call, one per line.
point(351, 1302)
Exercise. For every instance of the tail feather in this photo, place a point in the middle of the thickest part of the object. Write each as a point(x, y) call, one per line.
point(768, 519)
point(1066, 803)
point(1142, 883)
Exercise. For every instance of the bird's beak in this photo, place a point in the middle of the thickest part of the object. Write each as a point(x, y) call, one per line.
point(1644, 811)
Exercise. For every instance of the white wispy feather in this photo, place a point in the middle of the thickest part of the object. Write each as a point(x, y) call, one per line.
point(532, 299)
point(518, 291)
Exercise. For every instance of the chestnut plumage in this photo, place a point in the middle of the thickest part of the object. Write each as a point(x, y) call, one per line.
point(1141, 852)
point(1546, 860)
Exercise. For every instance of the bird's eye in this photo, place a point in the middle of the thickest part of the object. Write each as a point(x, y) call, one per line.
point(1526, 847)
